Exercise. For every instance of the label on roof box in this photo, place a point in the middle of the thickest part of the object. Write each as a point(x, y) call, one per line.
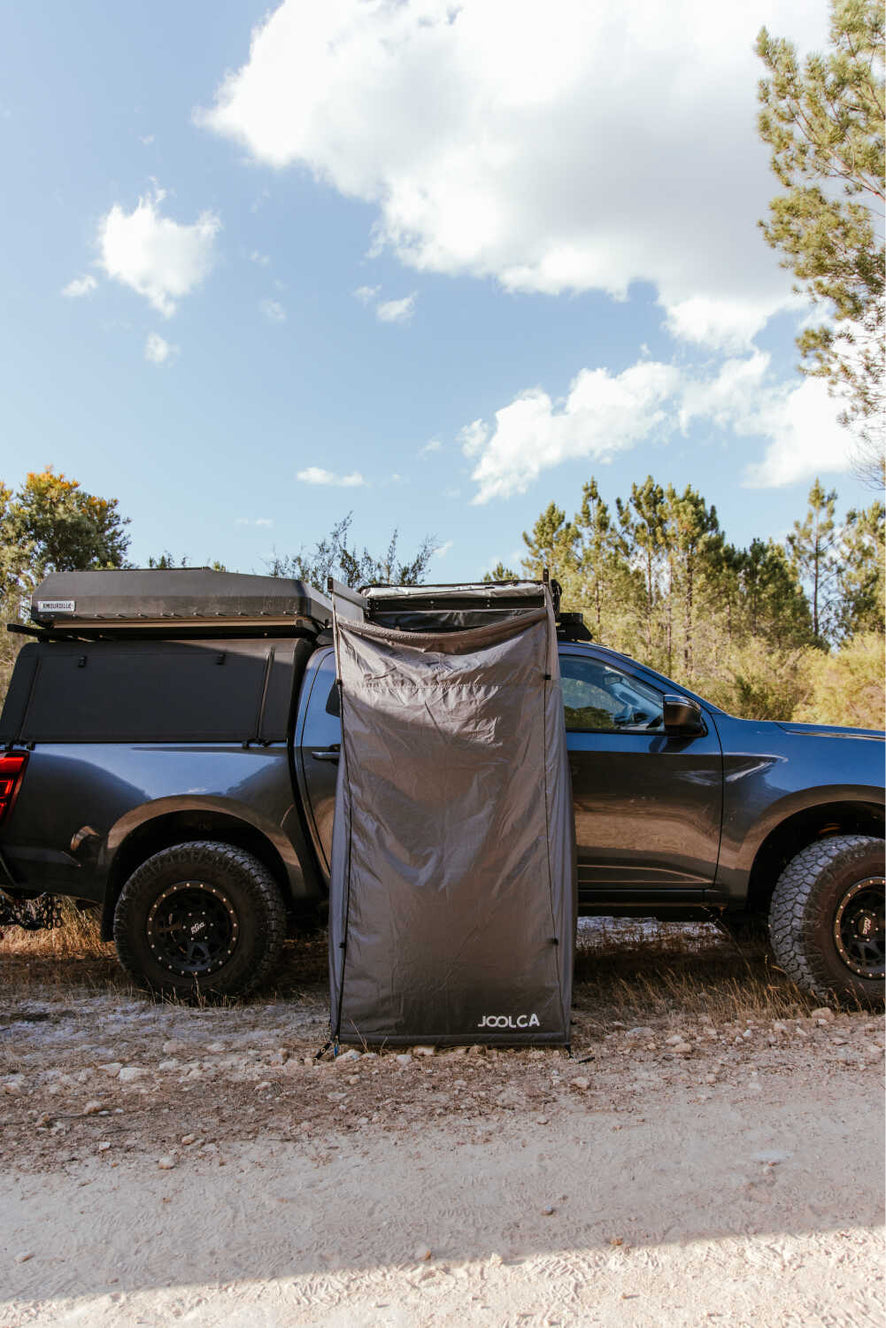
point(56, 605)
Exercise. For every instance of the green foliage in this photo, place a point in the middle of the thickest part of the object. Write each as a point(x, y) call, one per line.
point(50, 524)
point(500, 573)
point(846, 687)
point(166, 561)
point(755, 681)
point(747, 628)
point(63, 527)
point(824, 123)
point(814, 550)
point(862, 574)
point(551, 544)
point(332, 556)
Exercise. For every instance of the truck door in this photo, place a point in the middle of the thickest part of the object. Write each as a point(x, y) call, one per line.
point(317, 741)
point(648, 804)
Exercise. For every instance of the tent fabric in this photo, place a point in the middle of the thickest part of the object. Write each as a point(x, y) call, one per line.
point(452, 898)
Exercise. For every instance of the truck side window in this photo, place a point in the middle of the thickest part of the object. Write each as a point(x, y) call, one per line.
point(598, 698)
point(322, 722)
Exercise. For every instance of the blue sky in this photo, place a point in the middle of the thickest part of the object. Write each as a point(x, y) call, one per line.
point(437, 263)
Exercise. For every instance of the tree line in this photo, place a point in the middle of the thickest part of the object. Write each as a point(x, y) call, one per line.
point(759, 629)
point(52, 524)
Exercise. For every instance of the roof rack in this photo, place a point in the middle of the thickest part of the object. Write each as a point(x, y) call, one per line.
point(453, 605)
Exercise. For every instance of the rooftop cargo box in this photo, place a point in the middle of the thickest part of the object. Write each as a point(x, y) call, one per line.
point(151, 600)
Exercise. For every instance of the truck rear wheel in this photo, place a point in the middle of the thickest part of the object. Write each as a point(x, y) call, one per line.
point(826, 921)
point(200, 918)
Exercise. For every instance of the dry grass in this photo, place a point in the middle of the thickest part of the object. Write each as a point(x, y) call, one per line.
point(634, 972)
point(637, 971)
point(78, 937)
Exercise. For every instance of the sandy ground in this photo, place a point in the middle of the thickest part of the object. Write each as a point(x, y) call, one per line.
point(160, 1164)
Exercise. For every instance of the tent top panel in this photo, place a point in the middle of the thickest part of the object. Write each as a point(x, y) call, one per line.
point(168, 598)
point(481, 598)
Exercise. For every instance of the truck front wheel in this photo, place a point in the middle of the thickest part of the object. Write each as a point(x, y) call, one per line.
point(826, 921)
point(200, 918)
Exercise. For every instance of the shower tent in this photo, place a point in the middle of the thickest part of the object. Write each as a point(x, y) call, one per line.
point(452, 898)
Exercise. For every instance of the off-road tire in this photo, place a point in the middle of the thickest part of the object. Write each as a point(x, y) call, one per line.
point(804, 913)
point(205, 885)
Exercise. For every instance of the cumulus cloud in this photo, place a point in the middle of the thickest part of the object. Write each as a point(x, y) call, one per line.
point(257, 521)
point(273, 310)
point(160, 258)
point(366, 294)
point(158, 350)
point(396, 311)
point(560, 147)
point(431, 446)
point(604, 413)
point(317, 475)
point(80, 286)
point(807, 438)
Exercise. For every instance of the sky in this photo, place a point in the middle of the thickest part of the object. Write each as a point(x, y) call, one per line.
point(433, 262)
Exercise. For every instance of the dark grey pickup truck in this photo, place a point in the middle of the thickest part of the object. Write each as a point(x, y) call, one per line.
point(175, 767)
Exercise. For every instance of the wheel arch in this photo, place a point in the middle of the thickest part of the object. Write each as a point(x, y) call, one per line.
point(796, 831)
point(186, 825)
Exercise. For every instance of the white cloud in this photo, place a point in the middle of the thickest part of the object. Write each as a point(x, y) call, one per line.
point(158, 350)
point(256, 257)
point(273, 310)
point(723, 324)
point(473, 437)
point(366, 294)
point(560, 147)
point(396, 311)
point(433, 445)
point(80, 286)
point(258, 521)
point(317, 475)
point(603, 414)
point(443, 549)
point(159, 258)
point(807, 438)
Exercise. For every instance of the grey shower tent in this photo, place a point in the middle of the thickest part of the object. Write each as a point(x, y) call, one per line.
point(452, 899)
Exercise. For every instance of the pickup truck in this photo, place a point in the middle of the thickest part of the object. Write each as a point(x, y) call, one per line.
point(178, 774)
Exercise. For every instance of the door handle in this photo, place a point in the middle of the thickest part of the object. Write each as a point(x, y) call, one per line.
point(326, 755)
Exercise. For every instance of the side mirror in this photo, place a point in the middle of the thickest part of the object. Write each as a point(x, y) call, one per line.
point(681, 715)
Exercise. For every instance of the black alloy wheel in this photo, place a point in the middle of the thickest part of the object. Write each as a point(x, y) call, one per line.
point(826, 920)
point(860, 927)
point(192, 928)
point(200, 919)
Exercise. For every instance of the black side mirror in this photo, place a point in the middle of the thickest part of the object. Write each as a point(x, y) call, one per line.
point(681, 715)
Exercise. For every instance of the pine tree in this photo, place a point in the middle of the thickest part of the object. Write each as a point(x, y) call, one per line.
point(824, 124)
point(694, 542)
point(773, 606)
point(813, 544)
point(642, 523)
point(551, 545)
point(861, 580)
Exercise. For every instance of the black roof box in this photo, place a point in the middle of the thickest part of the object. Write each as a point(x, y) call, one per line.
point(157, 600)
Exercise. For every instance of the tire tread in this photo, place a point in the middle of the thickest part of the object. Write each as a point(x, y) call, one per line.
point(240, 864)
point(795, 909)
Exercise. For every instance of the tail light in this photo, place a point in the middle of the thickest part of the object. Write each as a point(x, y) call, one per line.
point(12, 769)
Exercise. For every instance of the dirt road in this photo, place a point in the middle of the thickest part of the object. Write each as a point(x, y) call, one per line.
point(161, 1164)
